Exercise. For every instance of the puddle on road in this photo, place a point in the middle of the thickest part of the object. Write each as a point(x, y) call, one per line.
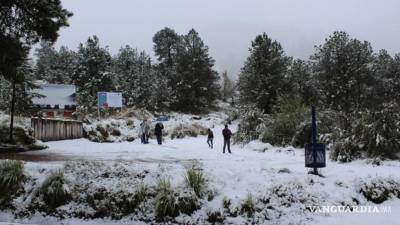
point(53, 157)
point(36, 157)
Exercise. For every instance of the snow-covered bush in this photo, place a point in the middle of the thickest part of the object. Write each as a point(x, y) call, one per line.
point(169, 203)
point(11, 177)
point(345, 150)
point(379, 190)
point(188, 202)
point(166, 206)
point(190, 130)
point(329, 124)
point(54, 190)
point(110, 130)
point(194, 178)
point(21, 139)
point(281, 129)
point(215, 217)
point(370, 134)
point(251, 124)
point(248, 206)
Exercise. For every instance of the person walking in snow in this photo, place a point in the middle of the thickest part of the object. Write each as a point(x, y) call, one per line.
point(158, 132)
point(144, 131)
point(227, 138)
point(210, 138)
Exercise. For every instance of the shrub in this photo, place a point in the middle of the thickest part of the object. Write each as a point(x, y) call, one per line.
point(103, 131)
point(329, 123)
point(166, 205)
point(115, 132)
point(194, 178)
point(215, 217)
point(183, 131)
point(248, 205)
point(282, 128)
point(127, 203)
point(345, 151)
point(141, 193)
point(54, 190)
point(11, 177)
point(226, 202)
point(188, 203)
point(20, 136)
point(371, 134)
point(251, 124)
point(379, 190)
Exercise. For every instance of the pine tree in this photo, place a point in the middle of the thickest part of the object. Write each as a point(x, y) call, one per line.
point(262, 79)
point(343, 69)
point(64, 66)
point(23, 24)
point(167, 47)
point(92, 74)
point(161, 91)
point(54, 66)
point(302, 83)
point(227, 87)
point(134, 74)
point(197, 85)
point(46, 57)
point(23, 94)
point(386, 70)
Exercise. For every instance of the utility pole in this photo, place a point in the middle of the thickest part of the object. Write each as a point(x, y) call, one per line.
point(13, 81)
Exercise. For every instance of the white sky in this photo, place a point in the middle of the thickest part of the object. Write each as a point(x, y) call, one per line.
point(228, 26)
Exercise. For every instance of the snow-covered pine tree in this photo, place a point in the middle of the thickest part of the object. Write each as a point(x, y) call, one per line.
point(54, 66)
point(64, 66)
point(301, 82)
point(161, 91)
point(124, 66)
point(386, 70)
point(142, 81)
point(134, 76)
point(227, 87)
point(23, 94)
point(45, 58)
point(167, 47)
point(343, 69)
point(197, 85)
point(92, 74)
point(262, 79)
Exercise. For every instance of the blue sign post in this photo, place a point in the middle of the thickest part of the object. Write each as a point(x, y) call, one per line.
point(314, 152)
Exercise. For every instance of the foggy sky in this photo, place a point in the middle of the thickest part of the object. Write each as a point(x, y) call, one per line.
point(228, 26)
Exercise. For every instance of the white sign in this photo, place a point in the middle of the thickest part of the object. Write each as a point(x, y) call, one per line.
point(110, 99)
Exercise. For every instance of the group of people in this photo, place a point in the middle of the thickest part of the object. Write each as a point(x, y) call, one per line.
point(144, 133)
point(227, 133)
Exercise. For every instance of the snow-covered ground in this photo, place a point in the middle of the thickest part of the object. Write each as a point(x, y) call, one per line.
point(255, 168)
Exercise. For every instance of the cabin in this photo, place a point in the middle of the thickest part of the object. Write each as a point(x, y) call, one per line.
point(56, 100)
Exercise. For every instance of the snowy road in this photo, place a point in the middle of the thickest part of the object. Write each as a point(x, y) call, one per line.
point(247, 170)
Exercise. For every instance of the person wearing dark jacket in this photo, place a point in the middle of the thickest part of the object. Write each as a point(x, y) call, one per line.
point(210, 138)
point(158, 132)
point(227, 138)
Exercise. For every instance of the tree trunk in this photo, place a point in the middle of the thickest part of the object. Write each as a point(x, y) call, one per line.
point(12, 110)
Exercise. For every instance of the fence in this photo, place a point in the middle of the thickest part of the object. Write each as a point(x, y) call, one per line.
point(56, 129)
